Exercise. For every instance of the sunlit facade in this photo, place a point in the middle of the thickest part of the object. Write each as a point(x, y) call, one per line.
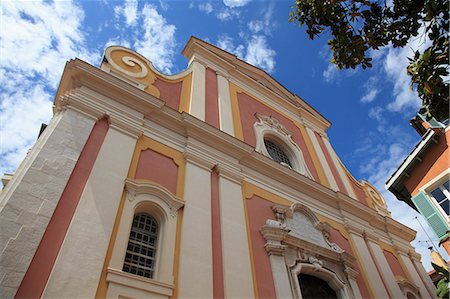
point(216, 182)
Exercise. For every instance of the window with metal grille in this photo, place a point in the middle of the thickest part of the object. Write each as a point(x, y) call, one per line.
point(141, 250)
point(276, 153)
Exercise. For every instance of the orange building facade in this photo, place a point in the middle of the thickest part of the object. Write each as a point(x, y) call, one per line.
point(216, 182)
point(422, 180)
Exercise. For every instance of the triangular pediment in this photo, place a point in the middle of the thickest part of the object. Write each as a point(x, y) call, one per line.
point(232, 64)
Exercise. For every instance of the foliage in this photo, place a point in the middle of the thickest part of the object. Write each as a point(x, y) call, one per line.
point(442, 288)
point(359, 26)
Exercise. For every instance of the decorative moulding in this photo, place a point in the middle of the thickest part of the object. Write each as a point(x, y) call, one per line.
point(129, 284)
point(136, 187)
point(377, 199)
point(299, 236)
point(407, 287)
point(131, 67)
point(270, 127)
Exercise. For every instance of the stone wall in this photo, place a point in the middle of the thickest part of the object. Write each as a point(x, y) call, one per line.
point(28, 201)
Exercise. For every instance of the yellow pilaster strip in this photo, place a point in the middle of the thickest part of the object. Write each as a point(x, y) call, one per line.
point(322, 177)
point(185, 98)
point(361, 268)
point(235, 110)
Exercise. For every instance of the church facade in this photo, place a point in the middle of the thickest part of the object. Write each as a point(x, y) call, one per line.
point(216, 182)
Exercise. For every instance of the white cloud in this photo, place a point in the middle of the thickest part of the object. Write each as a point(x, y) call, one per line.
point(34, 50)
point(227, 14)
point(369, 96)
point(206, 7)
point(371, 90)
point(158, 40)
point(395, 63)
point(226, 43)
point(376, 113)
point(264, 25)
point(129, 10)
point(235, 3)
point(151, 36)
point(256, 51)
point(164, 5)
point(260, 54)
point(331, 73)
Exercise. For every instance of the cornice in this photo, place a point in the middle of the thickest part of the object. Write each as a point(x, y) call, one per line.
point(78, 73)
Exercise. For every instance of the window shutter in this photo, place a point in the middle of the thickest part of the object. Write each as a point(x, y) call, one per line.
point(430, 213)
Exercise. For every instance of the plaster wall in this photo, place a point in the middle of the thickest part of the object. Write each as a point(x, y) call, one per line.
point(415, 276)
point(369, 266)
point(195, 269)
point(92, 222)
point(32, 195)
point(198, 91)
point(236, 258)
point(386, 272)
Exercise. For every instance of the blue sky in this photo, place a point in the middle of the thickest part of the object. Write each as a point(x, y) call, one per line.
point(369, 109)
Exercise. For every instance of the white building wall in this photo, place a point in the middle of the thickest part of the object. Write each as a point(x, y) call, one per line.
point(235, 251)
point(386, 272)
point(79, 264)
point(198, 91)
point(376, 283)
point(225, 113)
point(195, 270)
point(28, 202)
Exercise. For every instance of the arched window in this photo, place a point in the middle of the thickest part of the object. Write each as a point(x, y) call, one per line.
point(275, 141)
point(314, 287)
point(277, 153)
point(142, 243)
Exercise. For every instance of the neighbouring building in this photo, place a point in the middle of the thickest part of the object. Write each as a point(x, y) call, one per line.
point(216, 182)
point(422, 180)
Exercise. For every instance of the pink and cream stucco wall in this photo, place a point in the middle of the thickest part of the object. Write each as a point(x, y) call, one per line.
point(127, 138)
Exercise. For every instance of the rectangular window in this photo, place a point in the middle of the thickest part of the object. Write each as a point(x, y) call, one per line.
point(442, 196)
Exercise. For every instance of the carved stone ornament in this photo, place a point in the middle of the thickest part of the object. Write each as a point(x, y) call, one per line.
point(269, 126)
point(376, 198)
point(168, 201)
point(315, 262)
point(130, 61)
point(131, 195)
point(273, 123)
point(303, 224)
point(131, 67)
point(303, 241)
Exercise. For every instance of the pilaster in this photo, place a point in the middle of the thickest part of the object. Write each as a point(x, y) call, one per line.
point(376, 283)
point(339, 167)
point(236, 257)
point(274, 233)
point(198, 90)
point(93, 221)
point(195, 270)
point(384, 268)
point(323, 161)
point(225, 113)
point(414, 275)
